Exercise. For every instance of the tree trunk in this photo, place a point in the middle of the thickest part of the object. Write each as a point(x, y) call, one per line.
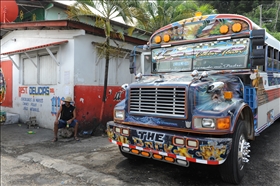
point(107, 56)
point(274, 28)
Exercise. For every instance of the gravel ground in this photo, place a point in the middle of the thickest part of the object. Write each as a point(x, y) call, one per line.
point(32, 159)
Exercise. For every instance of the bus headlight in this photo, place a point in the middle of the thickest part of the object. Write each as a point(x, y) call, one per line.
point(204, 123)
point(208, 123)
point(119, 114)
point(212, 123)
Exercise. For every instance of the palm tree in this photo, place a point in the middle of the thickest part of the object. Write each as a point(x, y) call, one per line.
point(162, 13)
point(105, 11)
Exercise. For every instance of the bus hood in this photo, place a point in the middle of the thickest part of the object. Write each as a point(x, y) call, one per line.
point(169, 78)
point(171, 100)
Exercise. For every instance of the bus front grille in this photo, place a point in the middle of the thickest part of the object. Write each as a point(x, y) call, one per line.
point(170, 101)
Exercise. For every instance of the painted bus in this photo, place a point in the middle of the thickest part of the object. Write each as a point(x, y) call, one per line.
point(214, 86)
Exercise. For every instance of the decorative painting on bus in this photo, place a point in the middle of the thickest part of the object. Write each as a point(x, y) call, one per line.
point(188, 30)
point(209, 55)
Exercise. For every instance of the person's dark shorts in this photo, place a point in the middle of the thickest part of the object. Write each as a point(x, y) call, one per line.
point(62, 123)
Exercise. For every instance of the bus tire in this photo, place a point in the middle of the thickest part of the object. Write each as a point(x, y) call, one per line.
point(232, 170)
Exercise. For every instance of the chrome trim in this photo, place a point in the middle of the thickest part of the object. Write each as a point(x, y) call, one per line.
point(162, 101)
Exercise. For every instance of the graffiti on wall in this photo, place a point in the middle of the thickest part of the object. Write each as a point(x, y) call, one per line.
point(2, 117)
point(31, 101)
point(56, 103)
point(42, 91)
point(35, 91)
point(22, 90)
point(118, 95)
point(2, 86)
point(6, 86)
point(32, 104)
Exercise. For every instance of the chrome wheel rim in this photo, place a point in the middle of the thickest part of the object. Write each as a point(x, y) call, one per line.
point(243, 152)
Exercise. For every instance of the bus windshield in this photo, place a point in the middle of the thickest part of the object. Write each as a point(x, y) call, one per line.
point(215, 55)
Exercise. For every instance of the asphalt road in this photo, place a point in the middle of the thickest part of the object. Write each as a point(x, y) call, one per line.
point(32, 159)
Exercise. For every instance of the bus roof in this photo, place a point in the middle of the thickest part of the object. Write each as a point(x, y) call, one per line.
point(207, 27)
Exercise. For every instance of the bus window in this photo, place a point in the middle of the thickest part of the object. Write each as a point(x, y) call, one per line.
point(275, 66)
point(260, 68)
point(269, 67)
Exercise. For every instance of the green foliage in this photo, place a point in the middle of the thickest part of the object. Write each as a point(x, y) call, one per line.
point(276, 35)
point(160, 13)
point(256, 10)
point(235, 6)
point(104, 11)
point(268, 16)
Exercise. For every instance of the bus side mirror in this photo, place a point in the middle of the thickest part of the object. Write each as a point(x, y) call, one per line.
point(131, 68)
point(257, 45)
point(131, 61)
point(258, 57)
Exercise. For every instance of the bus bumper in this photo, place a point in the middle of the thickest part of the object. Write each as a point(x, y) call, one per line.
point(172, 147)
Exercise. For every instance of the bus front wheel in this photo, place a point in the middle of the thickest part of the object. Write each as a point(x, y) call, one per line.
point(232, 170)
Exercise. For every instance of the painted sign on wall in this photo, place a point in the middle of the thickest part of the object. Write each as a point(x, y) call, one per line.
point(6, 83)
point(32, 104)
point(31, 101)
point(35, 91)
point(56, 103)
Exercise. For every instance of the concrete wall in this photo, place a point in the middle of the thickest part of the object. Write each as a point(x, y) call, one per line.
point(90, 67)
point(89, 79)
point(40, 100)
point(79, 72)
point(55, 13)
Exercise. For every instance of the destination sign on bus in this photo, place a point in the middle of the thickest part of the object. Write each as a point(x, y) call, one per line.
point(209, 55)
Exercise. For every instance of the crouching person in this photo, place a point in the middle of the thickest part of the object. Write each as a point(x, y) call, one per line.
point(66, 115)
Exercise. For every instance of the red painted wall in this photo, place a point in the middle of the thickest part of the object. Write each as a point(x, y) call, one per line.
point(88, 101)
point(7, 71)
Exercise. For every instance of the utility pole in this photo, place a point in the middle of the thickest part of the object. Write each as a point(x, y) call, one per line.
point(274, 28)
point(260, 15)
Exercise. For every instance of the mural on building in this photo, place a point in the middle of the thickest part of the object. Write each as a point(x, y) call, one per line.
point(2, 95)
point(56, 103)
point(2, 86)
point(2, 117)
point(31, 100)
point(6, 80)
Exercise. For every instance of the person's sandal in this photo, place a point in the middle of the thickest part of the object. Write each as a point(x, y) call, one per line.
point(54, 140)
point(76, 138)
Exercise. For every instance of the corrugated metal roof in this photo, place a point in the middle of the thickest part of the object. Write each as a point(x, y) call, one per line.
point(64, 25)
point(34, 48)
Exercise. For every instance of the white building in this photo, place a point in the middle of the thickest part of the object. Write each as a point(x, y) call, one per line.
point(44, 61)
